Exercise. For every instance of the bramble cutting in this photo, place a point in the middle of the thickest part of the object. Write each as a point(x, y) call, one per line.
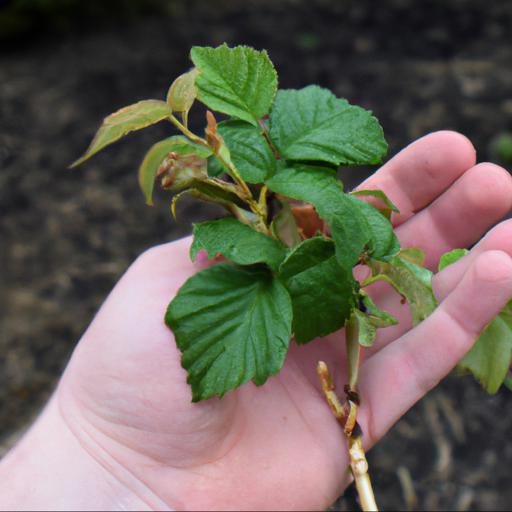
point(292, 235)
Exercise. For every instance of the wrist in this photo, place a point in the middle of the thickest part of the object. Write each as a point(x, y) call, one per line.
point(49, 469)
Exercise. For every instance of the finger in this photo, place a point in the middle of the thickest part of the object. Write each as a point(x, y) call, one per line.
point(400, 374)
point(422, 171)
point(443, 283)
point(462, 214)
point(459, 217)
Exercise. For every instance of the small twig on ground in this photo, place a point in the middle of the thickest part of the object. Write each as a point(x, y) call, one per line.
point(408, 491)
point(444, 449)
point(454, 420)
point(464, 500)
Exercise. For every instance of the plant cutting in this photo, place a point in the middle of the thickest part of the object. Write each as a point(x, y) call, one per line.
point(293, 243)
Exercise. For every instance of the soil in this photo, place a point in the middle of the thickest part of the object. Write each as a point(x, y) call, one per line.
point(66, 237)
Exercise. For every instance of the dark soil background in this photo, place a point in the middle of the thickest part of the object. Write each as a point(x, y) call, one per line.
point(66, 237)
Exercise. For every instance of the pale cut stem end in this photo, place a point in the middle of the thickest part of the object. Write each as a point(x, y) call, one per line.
point(346, 415)
point(359, 466)
point(328, 389)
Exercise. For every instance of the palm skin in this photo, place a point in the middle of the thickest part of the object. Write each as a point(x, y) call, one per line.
point(126, 382)
point(124, 394)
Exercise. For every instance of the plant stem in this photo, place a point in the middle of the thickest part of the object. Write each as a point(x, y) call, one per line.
point(378, 277)
point(359, 466)
point(246, 195)
point(227, 164)
point(353, 353)
point(192, 136)
point(266, 135)
point(328, 389)
point(347, 416)
point(358, 462)
point(262, 201)
point(236, 176)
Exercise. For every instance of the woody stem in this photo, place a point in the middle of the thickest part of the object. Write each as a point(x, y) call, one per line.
point(346, 415)
point(358, 462)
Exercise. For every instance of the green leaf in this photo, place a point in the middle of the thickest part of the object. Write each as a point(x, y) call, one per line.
point(376, 316)
point(508, 381)
point(284, 226)
point(412, 254)
point(249, 151)
point(240, 81)
point(231, 325)
point(501, 145)
point(312, 124)
point(309, 253)
point(237, 242)
point(156, 155)
point(128, 119)
point(355, 225)
point(182, 93)
point(411, 281)
point(309, 183)
point(216, 189)
point(365, 330)
point(382, 241)
point(322, 297)
point(215, 168)
point(490, 357)
point(381, 196)
point(212, 191)
point(451, 257)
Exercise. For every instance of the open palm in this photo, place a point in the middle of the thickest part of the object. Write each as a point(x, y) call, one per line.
point(124, 394)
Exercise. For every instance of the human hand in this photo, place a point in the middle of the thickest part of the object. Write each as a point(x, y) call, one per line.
point(123, 405)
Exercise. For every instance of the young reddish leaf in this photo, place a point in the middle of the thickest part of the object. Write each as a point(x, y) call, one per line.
point(182, 93)
point(319, 187)
point(240, 81)
point(154, 158)
point(231, 325)
point(184, 171)
point(312, 124)
point(128, 119)
point(307, 220)
point(237, 242)
point(355, 225)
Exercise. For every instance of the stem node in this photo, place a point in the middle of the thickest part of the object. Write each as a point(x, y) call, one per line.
point(347, 417)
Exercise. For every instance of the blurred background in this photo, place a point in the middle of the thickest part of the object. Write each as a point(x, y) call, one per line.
point(67, 236)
